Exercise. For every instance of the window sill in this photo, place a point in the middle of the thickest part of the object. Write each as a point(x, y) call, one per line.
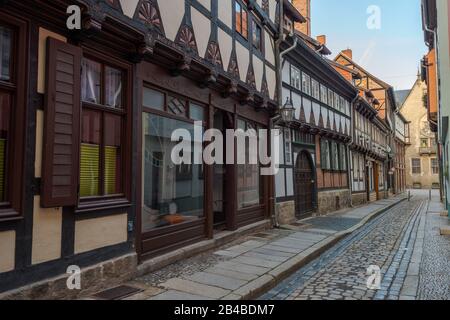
point(8, 214)
point(102, 204)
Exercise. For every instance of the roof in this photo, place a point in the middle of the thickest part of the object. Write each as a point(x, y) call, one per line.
point(381, 82)
point(401, 96)
point(316, 44)
point(293, 12)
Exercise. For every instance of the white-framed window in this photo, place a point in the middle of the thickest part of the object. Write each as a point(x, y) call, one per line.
point(315, 89)
point(323, 94)
point(296, 78)
point(325, 154)
point(306, 83)
point(434, 166)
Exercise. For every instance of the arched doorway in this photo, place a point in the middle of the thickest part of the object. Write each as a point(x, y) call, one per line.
point(304, 185)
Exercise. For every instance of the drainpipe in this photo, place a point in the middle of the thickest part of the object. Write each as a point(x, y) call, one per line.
point(279, 66)
point(350, 160)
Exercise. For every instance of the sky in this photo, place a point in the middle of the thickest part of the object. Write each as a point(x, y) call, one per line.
point(391, 49)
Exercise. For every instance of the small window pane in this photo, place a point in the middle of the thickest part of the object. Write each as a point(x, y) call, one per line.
point(196, 112)
point(91, 81)
point(90, 154)
point(112, 160)
point(5, 53)
point(153, 99)
point(113, 87)
point(177, 106)
point(256, 36)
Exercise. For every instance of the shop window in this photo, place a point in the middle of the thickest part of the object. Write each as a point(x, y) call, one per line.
point(325, 154)
point(249, 182)
point(434, 166)
point(101, 129)
point(241, 20)
point(416, 166)
point(257, 36)
point(172, 194)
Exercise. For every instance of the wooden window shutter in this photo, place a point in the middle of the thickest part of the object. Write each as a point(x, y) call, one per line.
point(61, 154)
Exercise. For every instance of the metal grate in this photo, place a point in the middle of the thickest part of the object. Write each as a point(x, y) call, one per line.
point(117, 293)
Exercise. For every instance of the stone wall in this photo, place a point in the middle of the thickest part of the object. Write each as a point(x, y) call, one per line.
point(286, 212)
point(93, 279)
point(359, 199)
point(333, 200)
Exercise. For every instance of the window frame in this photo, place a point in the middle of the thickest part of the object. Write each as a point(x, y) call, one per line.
point(434, 168)
point(123, 197)
point(413, 167)
point(256, 26)
point(242, 9)
point(11, 209)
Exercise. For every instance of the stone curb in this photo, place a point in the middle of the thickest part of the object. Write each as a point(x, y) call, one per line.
point(269, 280)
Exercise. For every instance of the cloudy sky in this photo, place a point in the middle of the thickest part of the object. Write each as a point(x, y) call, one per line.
point(390, 49)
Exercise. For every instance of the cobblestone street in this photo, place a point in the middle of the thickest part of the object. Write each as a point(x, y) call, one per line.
point(404, 242)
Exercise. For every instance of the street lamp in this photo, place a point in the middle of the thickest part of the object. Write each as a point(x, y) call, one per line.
point(288, 111)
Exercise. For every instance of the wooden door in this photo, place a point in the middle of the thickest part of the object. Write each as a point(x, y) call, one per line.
point(304, 186)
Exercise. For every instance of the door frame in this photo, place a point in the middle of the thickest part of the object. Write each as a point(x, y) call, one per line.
point(314, 177)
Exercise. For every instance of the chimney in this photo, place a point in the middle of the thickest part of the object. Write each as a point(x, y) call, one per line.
point(304, 7)
point(322, 40)
point(348, 53)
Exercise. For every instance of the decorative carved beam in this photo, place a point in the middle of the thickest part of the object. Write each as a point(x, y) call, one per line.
point(231, 89)
point(182, 66)
point(210, 78)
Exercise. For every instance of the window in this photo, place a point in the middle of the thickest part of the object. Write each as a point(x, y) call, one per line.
point(315, 89)
point(306, 83)
point(102, 129)
point(424, 143)
point(13, 48)
point(241, 20)
point(295, 78)
point(257, 36)
point(6, 108)
point(434, 166)
point(287, 149)
point(325, 154)
point(334, 156)
point(323, 94)
point(172, 194)
point(249, 184)
point(342, 157)
point(416, 166)
point(330, 98)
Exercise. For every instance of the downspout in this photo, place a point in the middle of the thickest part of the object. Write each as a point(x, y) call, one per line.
point(350, 160)
point(279, 65)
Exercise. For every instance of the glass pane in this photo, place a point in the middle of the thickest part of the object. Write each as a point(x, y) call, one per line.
point(91, 81)
point(196, 112)
point(177, 106)
point(5, 53)
point(112, 158)
point(113, 87)
point(153, 99)
point(172, 193)
point(238, 10)
point(90, 154)
point(5, 116)
point(89, 170)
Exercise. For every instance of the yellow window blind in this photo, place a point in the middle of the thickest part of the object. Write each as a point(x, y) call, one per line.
point(89, 167)
point(110, 169)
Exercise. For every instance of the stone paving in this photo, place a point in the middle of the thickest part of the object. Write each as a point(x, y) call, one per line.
point(245, 269)
point(404, 242)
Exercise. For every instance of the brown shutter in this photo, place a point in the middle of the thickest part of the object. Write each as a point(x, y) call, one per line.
point(60, 167)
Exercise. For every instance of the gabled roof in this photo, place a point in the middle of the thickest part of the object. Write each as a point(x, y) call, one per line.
point(351, 61)
point(313, 42)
